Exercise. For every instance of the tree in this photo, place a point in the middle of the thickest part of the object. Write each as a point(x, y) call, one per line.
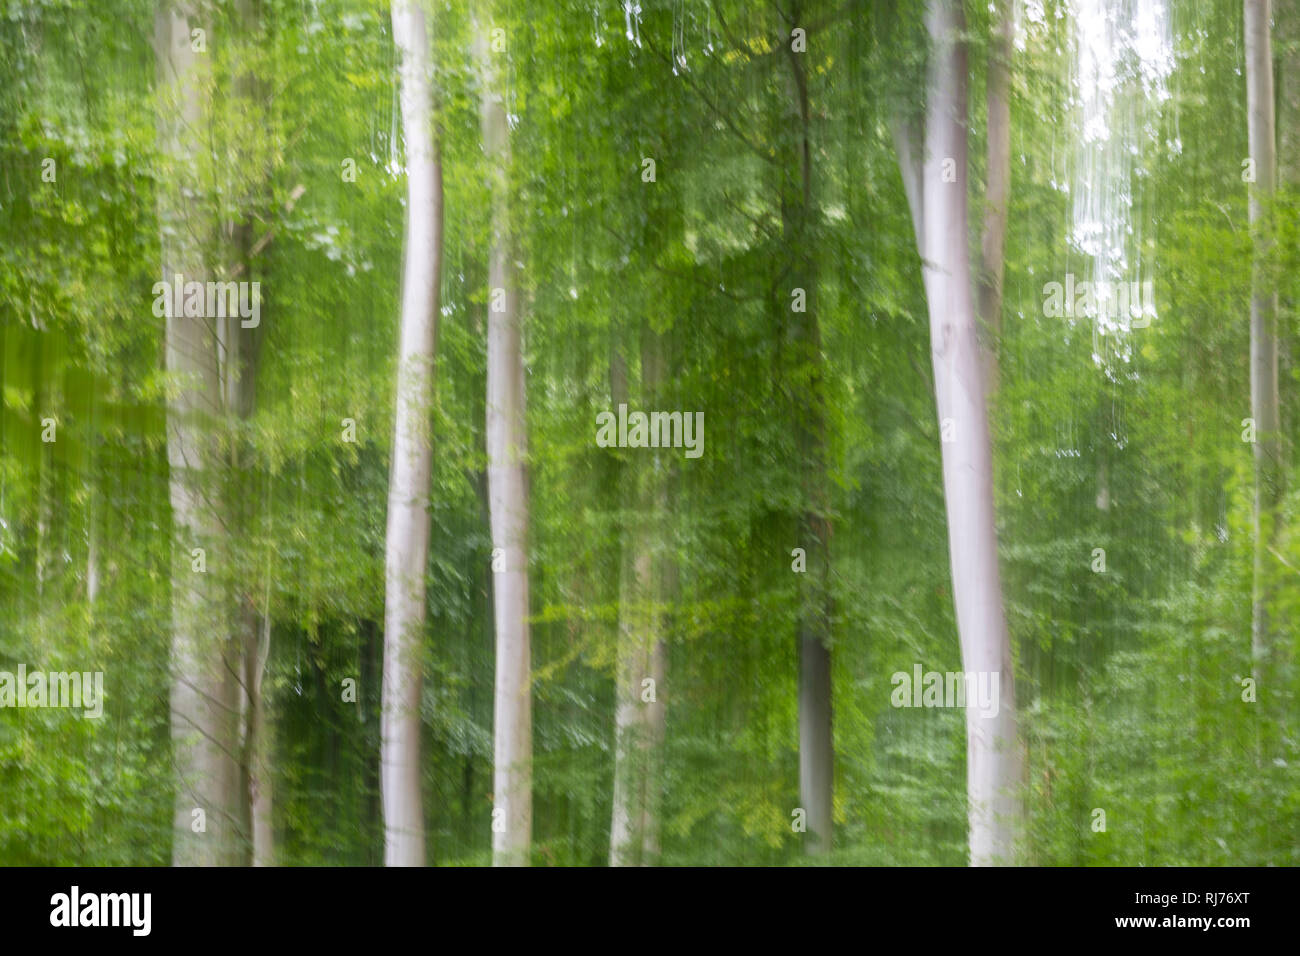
point(997, 188)
point(407, 537)
point(641, 665)
point(205, 701)
point(799, 234)
point(240, 346)
point(507, 491)
point(1288, 107)
point(936, 188)
point(1264, 404)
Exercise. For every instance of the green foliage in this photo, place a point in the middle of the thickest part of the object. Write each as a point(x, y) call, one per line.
point(1128, 681)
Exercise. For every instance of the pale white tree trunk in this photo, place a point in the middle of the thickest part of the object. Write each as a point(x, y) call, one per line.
point(507, 492)
point(639, 716)
point(1264, 404)
point(997, 188)
point(205, 693)
point(995, 762)
point(624, 828)
point(638, 719)
point(407, 541)
point(92, 560)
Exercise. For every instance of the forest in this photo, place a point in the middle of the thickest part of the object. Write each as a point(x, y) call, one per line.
point(653, 432)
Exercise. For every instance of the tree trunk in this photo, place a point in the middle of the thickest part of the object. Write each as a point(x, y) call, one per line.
point(205, 697)
point(813, 627)
point(997, 189)
point(994, 759)
point(1288, 106)
point(407, 540)
point(92, 558)
point(507, 493)
point(257, 750)
point(1264, 406)
point(240, 357)
point(639, 719)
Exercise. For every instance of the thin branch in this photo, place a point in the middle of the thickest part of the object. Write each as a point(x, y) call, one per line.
point(1273, 551)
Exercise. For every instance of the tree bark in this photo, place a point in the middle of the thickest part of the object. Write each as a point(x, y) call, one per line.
point(813, 626)
point(407, 538)
point(239, 363)
point(204, 695)
point(997, 189)
point(995, 763)
point(1288, 106)
point(1264, 404)
point(639, 719)
point(257, 749)
point(507, 492)
point(92, 558)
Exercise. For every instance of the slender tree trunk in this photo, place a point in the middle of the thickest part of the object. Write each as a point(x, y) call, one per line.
point(997, 190)
point(1288, 107)
point(639, 719)
point(92, 559)
point(624, 841)
point(507, 493)
point(407, 541)
point(995, 763)
point(258, 744)
point(239, 349)
point(1103, 483)
point(205, 696)
point(252, 627)
point(1264, 405)
point(813, 627)
point(241, 373)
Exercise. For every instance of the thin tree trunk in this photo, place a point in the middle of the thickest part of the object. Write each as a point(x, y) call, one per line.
point(1288, 106)
point(624, 842)
point(507, 493)
point(813, 626)
point(241, 357)
point(997, 190)
point(256, 631)
point(663, 578)
point(639, 718)
point(995, 763)
point(1264, 403)
point(407, 540)
point(204, 659)
point(92, 559)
